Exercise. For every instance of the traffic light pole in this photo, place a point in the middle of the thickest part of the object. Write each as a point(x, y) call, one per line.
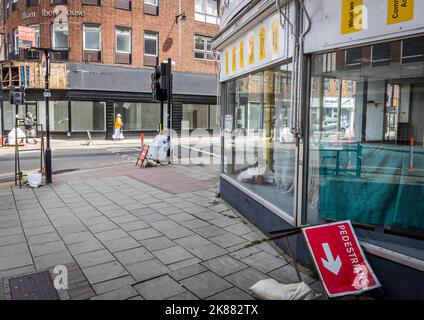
point(48, 155)
point(169, 105)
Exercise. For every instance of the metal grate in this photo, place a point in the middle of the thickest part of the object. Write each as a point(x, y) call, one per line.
point(36, 286)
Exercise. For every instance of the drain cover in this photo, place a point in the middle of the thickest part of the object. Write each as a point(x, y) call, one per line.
point(37, 286)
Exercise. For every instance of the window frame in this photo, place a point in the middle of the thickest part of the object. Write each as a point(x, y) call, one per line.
point(156, 34)
point(147, 2)
point(205, 49)
point(116, 39)
point(53, 44)
point(204, 13)
point(91, 25)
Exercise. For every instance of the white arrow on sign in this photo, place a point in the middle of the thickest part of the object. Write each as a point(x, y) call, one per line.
point(331, 264)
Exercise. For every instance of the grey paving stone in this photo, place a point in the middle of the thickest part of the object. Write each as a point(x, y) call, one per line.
point(77, 237)
point(208, 252)
point(176, 233)
point(93, 258)
point(238, 229)
point(287, 274)
point(85, 246)
point(147, 269)
point(194, 223)
point(159, 288)
point(17, 271)
point(11, 231)
point(265, 262)
point(47, 248)
point(178, 217)
point(227, 240)
point(145, 234)
point(193, 241)
point(119, 294)
point(224, 265)
point(39, 230)
point(15, 261)
point(53, 260)
point(186, 295)
point(132, 256)
point(188, 271)
point(43, 238)
point(8, 240)
point(134, 225)
point(13, 249)
point(121, 244)
point(110, 285)
point(184, 263)
point(73, 228)
point(111, 235)
point(209, 231)
point(103, 227)
point(219, 207)
point(158, 243)
point(224, 221)
point(104, 272)
point(172, 255)
point(206, 284)
point(232, 294)
point(245, 252)
point(153, 218)
point(246, 278)
point(164, 224)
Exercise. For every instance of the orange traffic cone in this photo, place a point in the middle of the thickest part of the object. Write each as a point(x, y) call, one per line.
point(42, 170)
point(1, 140)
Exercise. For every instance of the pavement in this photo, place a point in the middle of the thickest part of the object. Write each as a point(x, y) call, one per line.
point(129, 233)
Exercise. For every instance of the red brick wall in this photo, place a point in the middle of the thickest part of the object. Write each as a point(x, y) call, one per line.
point(182, 34)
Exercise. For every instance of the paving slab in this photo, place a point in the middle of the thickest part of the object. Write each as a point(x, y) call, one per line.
point(85, 246)
point(246, 278)
point(94, 258)
point(287, 274)
point(227, 240)
point(232, 294)
point(193, 241)
point(149, 269)
point(172, 255)
point(145, 234)
point(209, 231)
point(188, 271)
point(104, 272)
point(265, 262)
point(206, 284)
point(133, 256)
point(208, 252)
point(157, 243)
point(119, 294)
point(186, 295)
point(111, 285)
point(224, 265)
point(159, 288)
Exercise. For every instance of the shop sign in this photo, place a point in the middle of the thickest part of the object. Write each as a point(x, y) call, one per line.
point(266, 43)
point(339, 259)
point(69, 13)
point(26, 37)
point(338, 23)
point(28, 15)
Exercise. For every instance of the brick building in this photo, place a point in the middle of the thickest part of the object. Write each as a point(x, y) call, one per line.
point(107, 50)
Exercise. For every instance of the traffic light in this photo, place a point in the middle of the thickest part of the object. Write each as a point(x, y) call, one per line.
point(159, 83)
point(16, 97)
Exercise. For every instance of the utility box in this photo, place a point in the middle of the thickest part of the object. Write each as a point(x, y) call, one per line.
point(158, 149)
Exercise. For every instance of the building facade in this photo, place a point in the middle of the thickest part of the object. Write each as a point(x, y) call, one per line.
point(106, 52)
point(321, 114)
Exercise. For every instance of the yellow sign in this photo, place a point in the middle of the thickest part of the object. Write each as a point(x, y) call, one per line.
point(227, 68)
point(400, 11)
point(252, 49)
point(275, 28)
point(352, 16)
point(234, 59)
point(262, 35)
point(241, 54)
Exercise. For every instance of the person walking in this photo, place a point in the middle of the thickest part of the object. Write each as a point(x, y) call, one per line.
point(118, 128)
point(30, 121)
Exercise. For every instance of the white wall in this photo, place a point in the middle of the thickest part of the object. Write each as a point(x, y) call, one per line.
point(375, 113)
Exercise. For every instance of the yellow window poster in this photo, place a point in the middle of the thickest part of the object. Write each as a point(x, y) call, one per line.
point(227, 68)
point(275, 31)
point(252, 49)
point(234, 59)
point(262, 37)
point(352, 16)
point(241, 54)
point(400, 11)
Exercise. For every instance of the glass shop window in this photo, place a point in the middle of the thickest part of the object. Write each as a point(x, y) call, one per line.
point(366, 145)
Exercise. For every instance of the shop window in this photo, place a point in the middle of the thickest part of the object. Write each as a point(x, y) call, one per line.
point(88, 115)
point(196, 115)
point(123, 4)
point(214, 118)
point(32, 3)
point(123, 45)
point(150, 48)
point(15, 5)
point(362, 166)
point(353, 58)
point(151, 7)
point(381, 54)
point(413, 50)
point(203, 47)
point(60, 36)
point(92, 2)
point(206, 11)
point(138, 116)
point(92, 42)
point(259, 148)
point(59, 115)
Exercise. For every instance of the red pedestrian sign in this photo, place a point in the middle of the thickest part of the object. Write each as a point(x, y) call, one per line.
point(339, 259)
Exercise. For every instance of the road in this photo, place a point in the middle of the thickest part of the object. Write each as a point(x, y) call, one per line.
point(68, 160)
